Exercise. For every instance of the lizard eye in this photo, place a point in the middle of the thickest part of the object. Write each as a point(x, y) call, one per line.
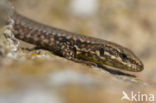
point(123, 56)
point(101, 52)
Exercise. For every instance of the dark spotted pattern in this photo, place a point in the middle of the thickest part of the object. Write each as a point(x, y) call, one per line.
point(74, 46)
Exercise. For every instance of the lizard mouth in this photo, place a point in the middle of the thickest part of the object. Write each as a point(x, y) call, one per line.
point(133, 66)
point(127, 66)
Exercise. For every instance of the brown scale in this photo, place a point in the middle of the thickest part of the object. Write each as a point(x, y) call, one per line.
point(67, 44)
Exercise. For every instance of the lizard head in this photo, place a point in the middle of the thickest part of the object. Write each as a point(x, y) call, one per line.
point(111, 55)
point(119, 57)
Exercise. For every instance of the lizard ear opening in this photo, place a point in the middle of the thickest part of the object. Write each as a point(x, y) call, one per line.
point(101, 52)
point(74, 51)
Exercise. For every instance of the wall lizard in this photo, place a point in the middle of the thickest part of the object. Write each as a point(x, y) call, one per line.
point(73, 46)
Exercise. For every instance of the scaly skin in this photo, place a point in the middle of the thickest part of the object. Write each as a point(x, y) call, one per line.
point(74, 46)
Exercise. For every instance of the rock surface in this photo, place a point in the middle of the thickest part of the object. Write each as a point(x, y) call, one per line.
point(41, 77)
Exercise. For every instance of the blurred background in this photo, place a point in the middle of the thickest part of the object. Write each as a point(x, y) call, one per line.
point(39, 76)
